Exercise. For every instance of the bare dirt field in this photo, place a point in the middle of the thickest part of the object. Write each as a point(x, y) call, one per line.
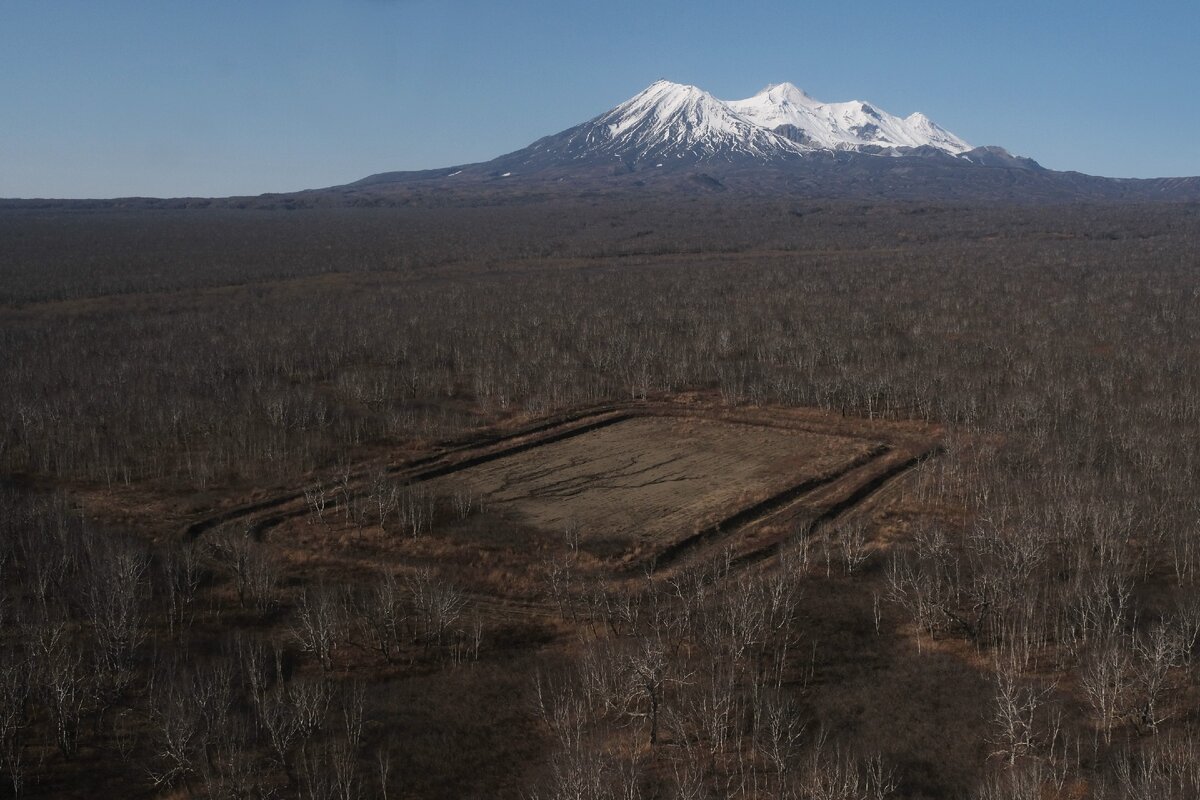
point(616, 490)
point(653, 480)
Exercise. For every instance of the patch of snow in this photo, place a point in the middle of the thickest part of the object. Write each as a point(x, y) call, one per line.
point(672, 117)
point(668, 120)
point(842, 126)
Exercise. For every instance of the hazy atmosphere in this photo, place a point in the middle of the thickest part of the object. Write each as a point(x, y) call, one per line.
point(173, 98)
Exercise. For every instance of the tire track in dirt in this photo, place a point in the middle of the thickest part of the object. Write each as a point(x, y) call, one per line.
point(855, 499)
point(525, 609)
point(195, 529)
point(830, 496)
point(731, 525)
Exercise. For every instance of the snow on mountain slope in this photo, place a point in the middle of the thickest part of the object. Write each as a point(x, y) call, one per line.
point(672, 120)
point(673, 137)
point(779, 104)
point(672, 125)
point(935, 135)
point(841, 126)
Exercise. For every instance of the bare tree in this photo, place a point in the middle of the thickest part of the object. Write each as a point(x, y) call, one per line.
point(278, 716)
point(253, 567)
point(1105, 680)
point(183, 573)
point(648, 676)
point(852, 540)
point(779, 734)
point(1026, 780)
point(464, 502)
point(112, 597)
point(383, 614)
point(348, 744)
point(1165, 768)
point(1185, 625)
point(314, 767)
point(559, 580)
point(180, 726)
point(386, 497)
point(310, 697)
point(908, 588)
point(231, 771)
point(832, 774)
point(1015, 715)
point(14, 716)
point(319, 622)
point(317, 499)
point(436, 603)
point(291, 714)
point(416, 507)
point(1155, 656)
point(384, 766)
point(65, 687)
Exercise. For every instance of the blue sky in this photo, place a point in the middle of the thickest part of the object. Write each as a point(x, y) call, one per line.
point(105, 98)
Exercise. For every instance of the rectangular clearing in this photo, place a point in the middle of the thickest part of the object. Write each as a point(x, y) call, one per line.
point(651, 481)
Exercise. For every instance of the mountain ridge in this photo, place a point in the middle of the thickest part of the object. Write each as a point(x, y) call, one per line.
point(675, 137)
point(839, 126)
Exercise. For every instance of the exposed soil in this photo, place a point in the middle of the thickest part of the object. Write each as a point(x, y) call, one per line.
point(617, 489)
point(653, 480)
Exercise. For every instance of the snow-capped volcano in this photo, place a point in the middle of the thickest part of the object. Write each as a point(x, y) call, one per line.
point(781, 142)
point(669, 122)
point(677, 138)
point(672, 125)
point(678, 117)
point(854, 125)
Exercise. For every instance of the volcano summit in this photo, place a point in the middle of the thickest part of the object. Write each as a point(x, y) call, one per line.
point(780, 141)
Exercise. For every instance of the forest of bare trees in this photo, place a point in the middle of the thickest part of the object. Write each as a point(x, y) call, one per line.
point(1044, 598)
